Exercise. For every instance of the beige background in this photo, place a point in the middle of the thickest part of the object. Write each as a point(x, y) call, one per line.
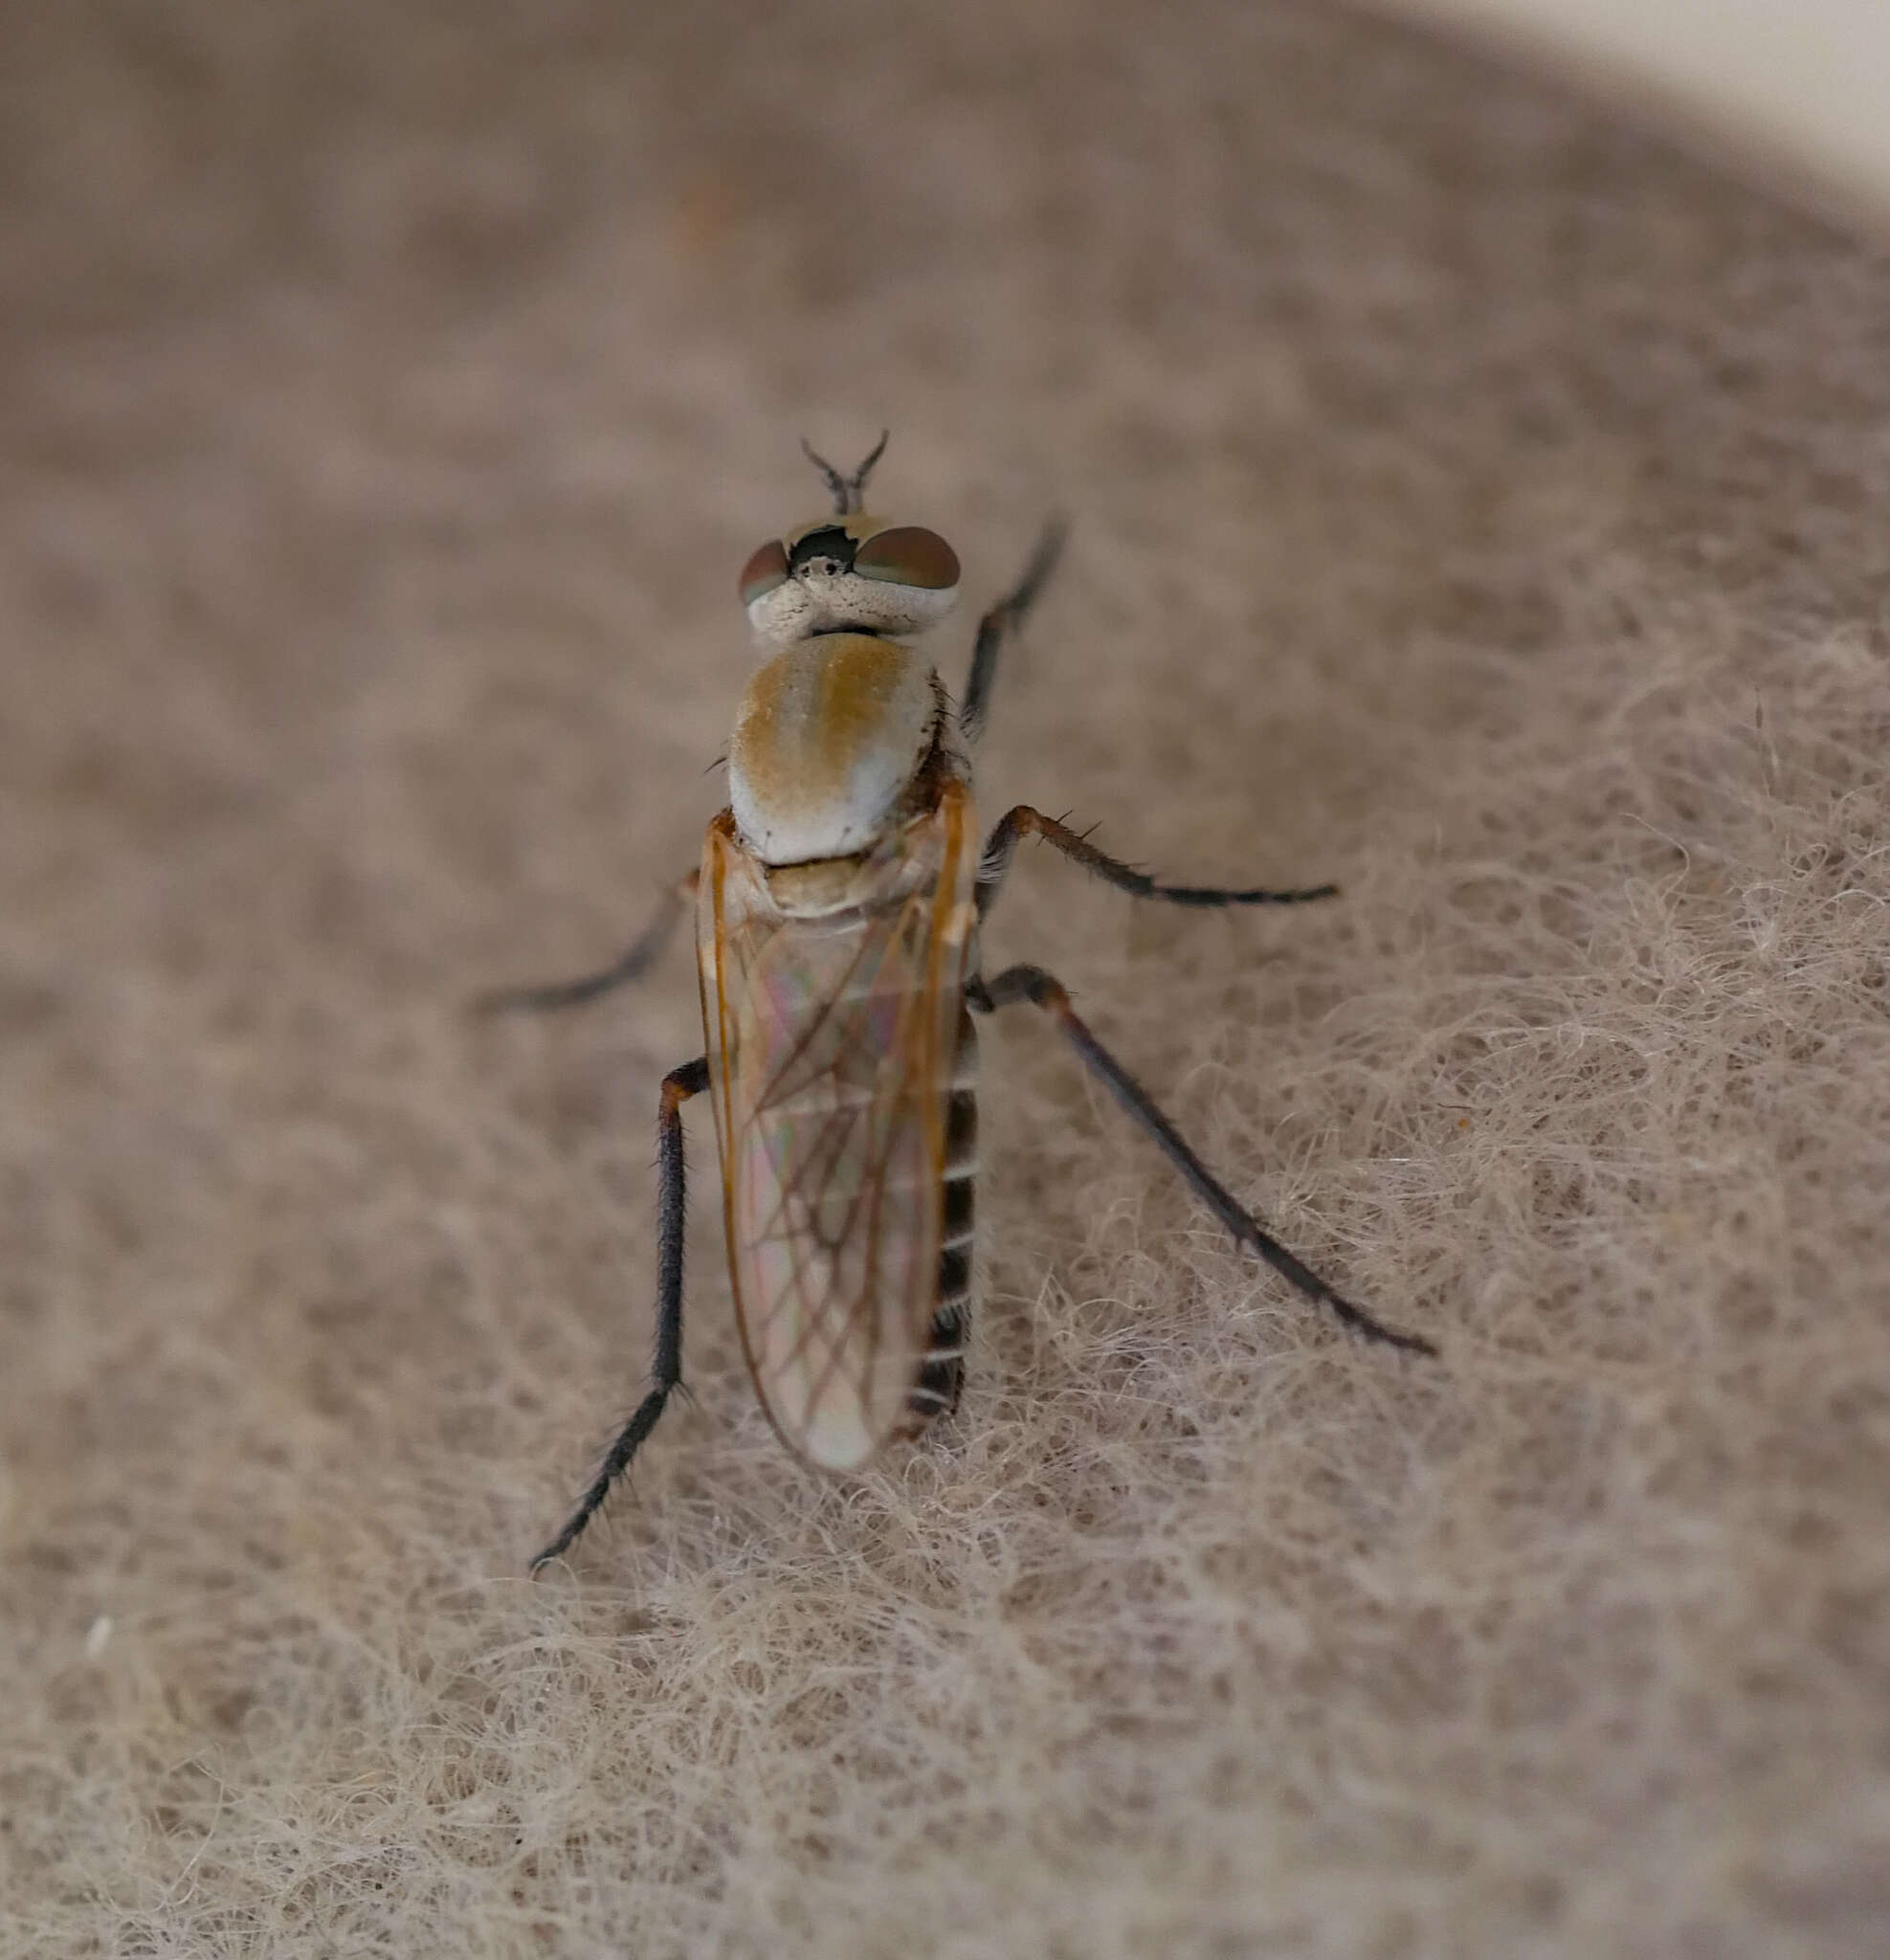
point(1473, 502)
point(1793, 91)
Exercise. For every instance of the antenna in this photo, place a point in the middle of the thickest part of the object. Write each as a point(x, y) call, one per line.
point(847, 491)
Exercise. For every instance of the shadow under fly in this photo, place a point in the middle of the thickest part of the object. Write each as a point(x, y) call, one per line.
point(837, 908)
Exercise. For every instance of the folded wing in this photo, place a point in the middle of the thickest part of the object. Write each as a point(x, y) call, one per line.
point(830, 1040)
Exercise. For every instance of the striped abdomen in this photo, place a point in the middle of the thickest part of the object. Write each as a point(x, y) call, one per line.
point(942, 1372)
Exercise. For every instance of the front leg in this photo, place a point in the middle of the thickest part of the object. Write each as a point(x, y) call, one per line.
point(1024, 821)
point(1044, 990)
point(1000, 626)
point(678, 1085)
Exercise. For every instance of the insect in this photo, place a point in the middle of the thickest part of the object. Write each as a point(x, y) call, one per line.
point(837, 904)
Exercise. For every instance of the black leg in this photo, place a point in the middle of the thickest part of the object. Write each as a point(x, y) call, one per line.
point(1024, 821)
point(1042, 989)
point(997, 626)
point(678, 1085)
point(642, 954)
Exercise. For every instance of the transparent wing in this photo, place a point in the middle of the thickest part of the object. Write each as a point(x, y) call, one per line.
point(831, 1043)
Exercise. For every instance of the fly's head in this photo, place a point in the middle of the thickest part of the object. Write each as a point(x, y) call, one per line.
point(847, 572)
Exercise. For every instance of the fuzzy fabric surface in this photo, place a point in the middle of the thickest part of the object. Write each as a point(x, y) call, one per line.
point(1472, 502)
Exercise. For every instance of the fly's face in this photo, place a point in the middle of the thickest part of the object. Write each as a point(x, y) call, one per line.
point(848, 573)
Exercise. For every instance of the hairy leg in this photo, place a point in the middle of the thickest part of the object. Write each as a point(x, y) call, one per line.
point(1023, 821)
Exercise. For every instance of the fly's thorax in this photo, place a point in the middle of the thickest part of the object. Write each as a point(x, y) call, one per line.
point(829, 740)
point(820, 889)
point(848, 572)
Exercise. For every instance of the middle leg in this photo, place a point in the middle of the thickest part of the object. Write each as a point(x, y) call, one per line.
point(1023, 821)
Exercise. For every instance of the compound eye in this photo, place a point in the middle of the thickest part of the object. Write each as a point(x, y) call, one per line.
point(908, 555)
point(764, 572)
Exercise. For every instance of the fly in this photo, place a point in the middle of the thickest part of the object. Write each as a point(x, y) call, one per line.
point(837, 906)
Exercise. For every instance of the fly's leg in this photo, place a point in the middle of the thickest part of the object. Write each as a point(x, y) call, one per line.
point(1024, 821)
point(1043, 990)
point(638, 958)
point(1000, 623)
point(678, 1085)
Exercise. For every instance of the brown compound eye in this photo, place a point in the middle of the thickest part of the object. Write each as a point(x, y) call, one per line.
point(764, 572)
point(908, 555)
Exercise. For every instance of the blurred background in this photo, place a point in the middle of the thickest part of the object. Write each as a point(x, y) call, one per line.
point(1791, 92)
